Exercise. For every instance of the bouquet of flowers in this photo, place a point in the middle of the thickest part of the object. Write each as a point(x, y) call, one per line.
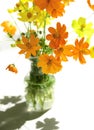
point(45, 46)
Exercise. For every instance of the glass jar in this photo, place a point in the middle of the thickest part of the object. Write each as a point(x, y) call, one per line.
point(39, 90)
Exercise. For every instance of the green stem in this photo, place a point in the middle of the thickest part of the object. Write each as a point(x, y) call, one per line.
point(15, 23)
point(44, 29)
point(11, 37)
point(29, 25)
point(25, 26)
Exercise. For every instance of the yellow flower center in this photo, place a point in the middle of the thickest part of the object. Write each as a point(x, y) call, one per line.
point(29, 15)
point(82, 27)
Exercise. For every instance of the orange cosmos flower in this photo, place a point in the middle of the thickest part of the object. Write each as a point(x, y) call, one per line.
point(54, 7)
point(57, 35)
point(90, 5)
point(12, 68)
point(81, 48)
point(42, 4)
point(49, 64)
point(8, 27)
point(63, 51)
point(29, 46)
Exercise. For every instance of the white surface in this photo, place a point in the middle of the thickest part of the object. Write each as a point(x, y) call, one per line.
point(74, 95)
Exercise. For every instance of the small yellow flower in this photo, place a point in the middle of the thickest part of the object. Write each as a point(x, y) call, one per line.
point(82, 28)
point(26, 15)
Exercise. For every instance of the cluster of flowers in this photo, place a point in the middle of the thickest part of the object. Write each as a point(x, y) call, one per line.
point(50, 46)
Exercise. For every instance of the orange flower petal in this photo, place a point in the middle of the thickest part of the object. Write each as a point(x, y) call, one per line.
point(52, 30)
point(24, 39)
point(12, 68)
point(42, 4)
point(57, 36)
point(90, 5)
point(58, 26)
point(8, 27)
point(55, 8)
point(49, 64)
point(81, 48)
point(81, 58)
point(29, 46)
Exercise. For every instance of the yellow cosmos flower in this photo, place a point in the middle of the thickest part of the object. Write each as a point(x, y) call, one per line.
point(81, 27)
point(49, 64)
point(39, 16)
point(19, 7)
point(26, 15)
point(34, 15)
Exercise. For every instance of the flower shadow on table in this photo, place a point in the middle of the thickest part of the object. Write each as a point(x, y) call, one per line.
point(48, 124)
point(15, 116)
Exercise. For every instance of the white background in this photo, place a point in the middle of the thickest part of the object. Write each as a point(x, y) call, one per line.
point(74, 95)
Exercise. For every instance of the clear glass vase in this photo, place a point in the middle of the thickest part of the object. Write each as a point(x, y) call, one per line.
point(39, 88)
